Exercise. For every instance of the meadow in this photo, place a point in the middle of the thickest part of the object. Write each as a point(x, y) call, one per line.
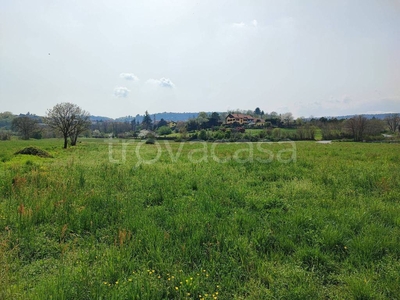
point(125, 220)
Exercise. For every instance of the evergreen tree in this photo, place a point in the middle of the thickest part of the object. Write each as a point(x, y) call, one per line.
point(147, 122)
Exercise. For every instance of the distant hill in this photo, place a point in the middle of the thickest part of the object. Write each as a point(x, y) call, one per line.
point(368, 116)
point(100, 118)
point(167, 116)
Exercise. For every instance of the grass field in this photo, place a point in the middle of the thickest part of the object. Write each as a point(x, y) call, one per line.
point(200, 221)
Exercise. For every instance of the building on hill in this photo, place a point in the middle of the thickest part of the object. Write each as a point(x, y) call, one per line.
point(238, 118)
point(257, 122)
point(171, 124)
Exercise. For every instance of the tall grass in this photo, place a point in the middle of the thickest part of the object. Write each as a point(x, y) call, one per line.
point(79, 227)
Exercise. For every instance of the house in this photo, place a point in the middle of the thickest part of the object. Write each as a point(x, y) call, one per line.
point(238, 118)
point(259, 122)
point(172, 124)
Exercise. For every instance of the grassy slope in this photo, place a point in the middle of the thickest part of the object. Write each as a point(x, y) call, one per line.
point(79, 227)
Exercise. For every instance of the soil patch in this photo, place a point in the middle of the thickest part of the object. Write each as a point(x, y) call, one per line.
point(34, 151)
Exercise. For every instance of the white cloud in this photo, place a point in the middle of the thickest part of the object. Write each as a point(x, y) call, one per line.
point(163, 82)
point(121, 92)
point(129, 76)
point(238, 25)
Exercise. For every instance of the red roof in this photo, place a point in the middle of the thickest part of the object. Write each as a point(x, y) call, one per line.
point(240, 116)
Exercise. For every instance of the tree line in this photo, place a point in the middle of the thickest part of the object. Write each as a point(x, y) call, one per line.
point(70, 121)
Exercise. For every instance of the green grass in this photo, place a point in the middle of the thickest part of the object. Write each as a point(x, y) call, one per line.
point(77, 226)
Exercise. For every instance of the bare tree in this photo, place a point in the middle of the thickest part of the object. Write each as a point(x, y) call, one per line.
point(80, 125)
point(374, 127)
point(357, 126)
point(393, 121)
point(287, 118)
point(68, 119)
point(25, 126)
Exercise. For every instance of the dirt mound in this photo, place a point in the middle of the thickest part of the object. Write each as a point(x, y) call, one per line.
point(33, 151)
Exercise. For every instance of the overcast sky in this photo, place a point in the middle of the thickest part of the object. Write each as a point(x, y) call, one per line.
point(118, 58)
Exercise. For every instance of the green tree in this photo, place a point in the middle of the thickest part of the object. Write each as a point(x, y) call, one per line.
point(147, 122)
point(202, 119)
point(133, 124)
point(192, 125)
point(214, 119)
point(203, 135)
point(164, 130)
point(162, 123)
point(25, 126)
point(257, 111)
point(6, 119)
point(68, 119)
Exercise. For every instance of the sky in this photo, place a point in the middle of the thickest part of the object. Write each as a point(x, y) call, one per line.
point(118, 58)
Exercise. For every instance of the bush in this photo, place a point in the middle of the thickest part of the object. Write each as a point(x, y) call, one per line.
point(5, 136)
point(219, 135)
point(37, 135)
point(306, 132)
point(150, 141)
point(276, 133)
point(97, 134)
point(203, 135)
point(164, 130)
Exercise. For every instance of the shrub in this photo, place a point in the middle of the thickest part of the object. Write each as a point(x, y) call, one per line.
point(164, 130)
point(276, 133)
point(5, 136)
point(203, 135)
point(150, 141)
